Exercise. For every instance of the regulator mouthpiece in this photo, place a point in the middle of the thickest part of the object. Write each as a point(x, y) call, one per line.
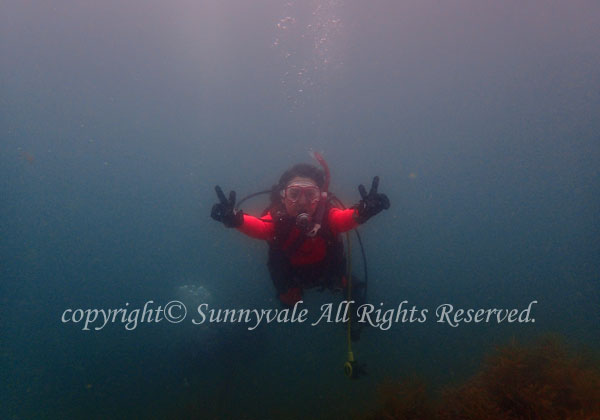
point(304, 222)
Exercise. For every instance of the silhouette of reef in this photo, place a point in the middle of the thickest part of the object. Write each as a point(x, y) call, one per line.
point(541, 381)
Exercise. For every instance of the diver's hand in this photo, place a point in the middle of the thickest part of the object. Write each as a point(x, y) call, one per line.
point(225, 211)
point(371, 203)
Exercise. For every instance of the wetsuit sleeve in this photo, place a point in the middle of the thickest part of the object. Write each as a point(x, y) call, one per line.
point(342, 220)
point(257, 228)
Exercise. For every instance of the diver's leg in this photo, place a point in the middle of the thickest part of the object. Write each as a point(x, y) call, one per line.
point(292, 296)
point(287, 291)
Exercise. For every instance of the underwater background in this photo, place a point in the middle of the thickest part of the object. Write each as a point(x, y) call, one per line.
point(118, 118)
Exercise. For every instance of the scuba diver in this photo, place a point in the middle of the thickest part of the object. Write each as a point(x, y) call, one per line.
point(302, 226)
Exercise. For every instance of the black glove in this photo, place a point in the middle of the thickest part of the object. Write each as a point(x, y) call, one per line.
point(371, 203)
point(225, 211)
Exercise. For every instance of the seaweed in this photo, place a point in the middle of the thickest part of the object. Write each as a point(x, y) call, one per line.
point(541, 381)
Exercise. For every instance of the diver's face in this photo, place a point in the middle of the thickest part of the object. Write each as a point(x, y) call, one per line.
point(301, 195)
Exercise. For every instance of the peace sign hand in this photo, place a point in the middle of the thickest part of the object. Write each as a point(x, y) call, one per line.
point(225, 211)
point(371, 203)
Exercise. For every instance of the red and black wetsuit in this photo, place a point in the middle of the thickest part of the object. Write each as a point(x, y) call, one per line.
point(298, 262)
